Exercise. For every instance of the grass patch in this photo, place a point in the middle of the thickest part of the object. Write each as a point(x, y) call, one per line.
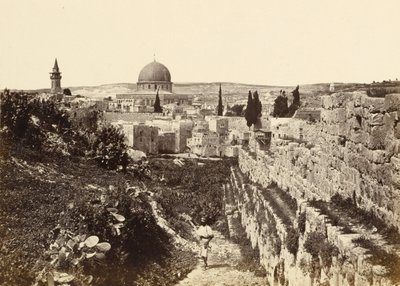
point(335, 218)
point(367, 218)
point(381, 257)
point(250, 260)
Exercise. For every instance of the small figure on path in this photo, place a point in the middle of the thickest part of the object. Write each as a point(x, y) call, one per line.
point(205, 234)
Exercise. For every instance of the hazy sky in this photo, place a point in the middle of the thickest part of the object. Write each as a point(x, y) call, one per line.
point(263, 42)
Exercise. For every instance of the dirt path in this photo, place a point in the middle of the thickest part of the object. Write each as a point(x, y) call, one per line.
point(223, 257)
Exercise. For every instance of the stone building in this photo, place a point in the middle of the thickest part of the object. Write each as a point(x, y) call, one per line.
point(153, 78)
point(181, 128)
point(141, 137)
point(219, 125)
point(166, 142)
point(204, 144)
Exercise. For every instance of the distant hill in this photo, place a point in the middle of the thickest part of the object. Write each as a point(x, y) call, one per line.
point(232, 92)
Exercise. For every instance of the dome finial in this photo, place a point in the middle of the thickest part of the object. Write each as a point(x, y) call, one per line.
point(154, 56)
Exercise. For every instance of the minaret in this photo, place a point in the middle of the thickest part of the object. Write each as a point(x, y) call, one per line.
point(55, 79)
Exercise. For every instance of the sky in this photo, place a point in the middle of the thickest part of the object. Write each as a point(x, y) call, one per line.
point(268, 42)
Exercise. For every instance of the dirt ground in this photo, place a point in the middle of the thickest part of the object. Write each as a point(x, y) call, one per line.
point(223, 257)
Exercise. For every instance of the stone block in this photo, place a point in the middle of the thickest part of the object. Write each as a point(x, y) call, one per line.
point(378, 156)
point(396, 130)
point(340, 115)
point(376, 139)
point(390, 119)
point(395, 170)
point(375, 119)
point(392, 102)
point(357, 99)
point(326, 101)
point(373, 104)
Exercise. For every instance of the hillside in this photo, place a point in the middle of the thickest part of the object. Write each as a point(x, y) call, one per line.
point(71, 216)
point(208, 92)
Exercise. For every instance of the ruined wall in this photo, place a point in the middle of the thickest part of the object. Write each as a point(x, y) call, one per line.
point(283, 247)
point(353, 152)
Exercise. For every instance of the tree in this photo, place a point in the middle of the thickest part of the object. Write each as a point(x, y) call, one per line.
point(237, 109)
point(296, 102)
point(67, 91)
point(257, 110)
point(220, 107)
point(281, 105)
point(257, 104)
point(250, 110)
point(157, 105)
point(296, 95)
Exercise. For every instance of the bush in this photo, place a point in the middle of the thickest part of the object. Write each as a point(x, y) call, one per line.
point(317, 245)
point(301, 223)
point(292, 241)
point(109, 148)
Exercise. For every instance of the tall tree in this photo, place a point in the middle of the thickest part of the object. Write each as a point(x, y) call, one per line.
point(296, 102)
point(257, 104)
point(220, 108)
point(281, 105)
point(157, 105)
point(250, 110)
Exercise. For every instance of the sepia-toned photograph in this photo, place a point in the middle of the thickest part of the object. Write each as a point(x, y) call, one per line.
point(199, 143)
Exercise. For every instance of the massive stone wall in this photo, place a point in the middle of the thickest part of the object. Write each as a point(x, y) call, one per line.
point(334, 259)
point(353, 151)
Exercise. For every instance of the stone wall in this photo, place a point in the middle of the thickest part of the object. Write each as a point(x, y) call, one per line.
point(353, 152)
point(339, 262)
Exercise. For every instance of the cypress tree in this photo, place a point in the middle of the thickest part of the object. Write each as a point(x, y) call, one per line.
point(249, 114)
point(157, 105)
point(257, 105)
point(220, 108)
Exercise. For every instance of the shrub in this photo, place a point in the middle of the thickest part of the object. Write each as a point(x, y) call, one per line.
point(317, 245)
point(301, 223)
point(292, 241)
point(109, 148)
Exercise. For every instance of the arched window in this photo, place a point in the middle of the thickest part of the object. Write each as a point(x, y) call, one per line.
point(155, 87)
point(149, 86)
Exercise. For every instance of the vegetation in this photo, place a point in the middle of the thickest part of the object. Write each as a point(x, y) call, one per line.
point(281, 108)
point(192, 191)
point(220, 107)
point(41, 205)
point(367, 218)
point(109, 148)
point(25, 120)
point(65, 220)
point(250, 260)
point(281, 105)
point(295, 103)
point(379, 256)
point(301, 222)
point(236, 110)
point(157, 104)
point(253, 109)
point(67, 91)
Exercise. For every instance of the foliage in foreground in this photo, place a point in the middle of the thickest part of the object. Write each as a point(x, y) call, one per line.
point(194, 189)
point(45, 208)
point(28, 122)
